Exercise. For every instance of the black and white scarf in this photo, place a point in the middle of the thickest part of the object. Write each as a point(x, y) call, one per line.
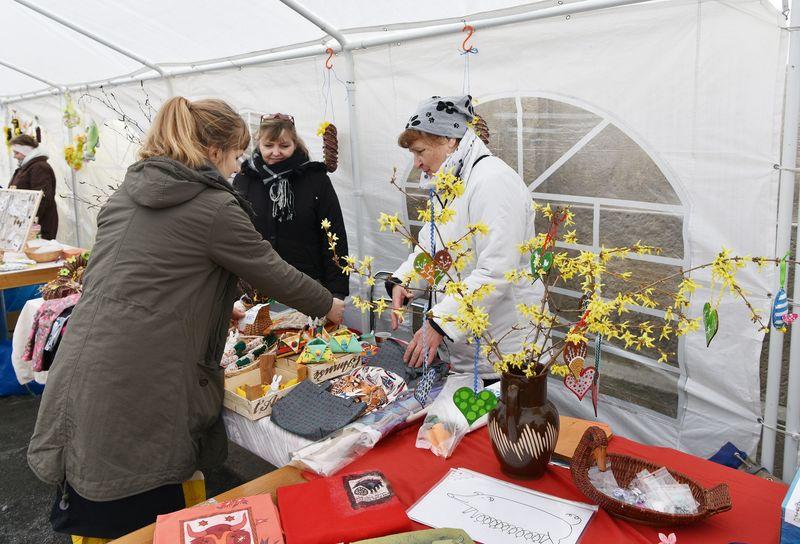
point(275, 178)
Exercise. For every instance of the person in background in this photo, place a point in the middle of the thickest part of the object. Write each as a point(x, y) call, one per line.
point(439, 138)
point(133, 403)
point(35, 174)
point(291, 195)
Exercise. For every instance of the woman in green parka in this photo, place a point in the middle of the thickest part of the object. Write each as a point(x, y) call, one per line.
point(133, 400)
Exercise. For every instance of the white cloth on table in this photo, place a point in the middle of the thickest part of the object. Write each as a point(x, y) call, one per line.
point(22, 330)
point(262, 437)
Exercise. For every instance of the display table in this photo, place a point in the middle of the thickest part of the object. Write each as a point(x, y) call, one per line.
point(267, 483)
point(38, 273)
point(262, 438)
point(754, 518)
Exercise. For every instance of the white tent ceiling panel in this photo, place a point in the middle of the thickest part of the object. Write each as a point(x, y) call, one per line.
point(13, 82)
point(354, 14)
point(181, 32)
point(54, 52)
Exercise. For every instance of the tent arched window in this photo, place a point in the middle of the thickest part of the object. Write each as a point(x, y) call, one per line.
point(572, 154)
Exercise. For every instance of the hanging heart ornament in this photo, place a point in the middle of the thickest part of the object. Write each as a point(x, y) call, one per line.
point(710, 322)
point(421, 261)
point(443, 260)
point(582, 384)
point(474, 406)
point(575, 356)
point(541, 261)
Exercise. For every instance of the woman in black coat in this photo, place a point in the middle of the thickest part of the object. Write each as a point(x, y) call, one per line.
point(291, 195)
point(36, 175)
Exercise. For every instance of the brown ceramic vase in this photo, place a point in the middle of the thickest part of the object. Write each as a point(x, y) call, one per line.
point(523, 428)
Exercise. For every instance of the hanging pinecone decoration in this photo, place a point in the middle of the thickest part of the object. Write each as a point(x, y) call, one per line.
point(481, 129)
point(330, 145)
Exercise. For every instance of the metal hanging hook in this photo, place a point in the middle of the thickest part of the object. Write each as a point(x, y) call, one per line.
point(471, 30)
point(328, 63)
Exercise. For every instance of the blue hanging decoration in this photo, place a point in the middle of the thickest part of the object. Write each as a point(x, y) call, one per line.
point(598, 342)
point(425, 383)
point(780, 308)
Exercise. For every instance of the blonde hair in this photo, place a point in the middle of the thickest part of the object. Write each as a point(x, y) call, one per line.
point(271, 129)
point(409, 136)
point(184, 131)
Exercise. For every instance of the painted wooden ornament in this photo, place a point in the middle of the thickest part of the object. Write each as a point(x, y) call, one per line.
point(443, 260)
point(420, 261)
point(541, 261)
point(474, 406)
point(789, 318)
point(780, 308)
point(582, 384)
point(710, 322)
point(575, 356)
point(428, 273)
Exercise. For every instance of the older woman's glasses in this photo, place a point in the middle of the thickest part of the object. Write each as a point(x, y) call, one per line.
point(279, 116)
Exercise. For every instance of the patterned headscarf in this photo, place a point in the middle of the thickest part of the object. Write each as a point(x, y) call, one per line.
point(443, 116)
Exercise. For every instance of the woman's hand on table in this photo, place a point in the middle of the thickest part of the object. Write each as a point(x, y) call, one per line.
point(336, 313)
point(399, 295)
point(415, 352)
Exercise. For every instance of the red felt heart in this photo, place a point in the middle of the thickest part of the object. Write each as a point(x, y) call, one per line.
point(582, 385)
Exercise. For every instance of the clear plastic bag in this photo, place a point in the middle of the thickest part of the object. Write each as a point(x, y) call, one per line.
point(445, 425)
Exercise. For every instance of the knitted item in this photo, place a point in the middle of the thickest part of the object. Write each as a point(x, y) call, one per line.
point(313, 413)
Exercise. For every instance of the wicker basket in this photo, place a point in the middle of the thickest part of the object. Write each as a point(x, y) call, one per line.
point(594, 443)
point(47, 257)
point(262, 323)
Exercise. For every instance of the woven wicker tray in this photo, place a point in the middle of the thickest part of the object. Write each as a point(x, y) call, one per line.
point(593, 445)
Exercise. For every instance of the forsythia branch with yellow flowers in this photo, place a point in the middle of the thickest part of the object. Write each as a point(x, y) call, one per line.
point(550, 328)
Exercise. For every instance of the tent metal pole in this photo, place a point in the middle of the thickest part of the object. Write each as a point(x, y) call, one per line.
point(302, 52)
point(791, 115)
point(73, 184)
point(316, 20)
point(311, 50)
point(449, 28)
point(91, 35)
point(782, 245)
point(355, 155)
point(7, 122)
point(352, 118)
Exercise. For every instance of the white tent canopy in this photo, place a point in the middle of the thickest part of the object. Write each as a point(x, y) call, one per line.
point(658, 119)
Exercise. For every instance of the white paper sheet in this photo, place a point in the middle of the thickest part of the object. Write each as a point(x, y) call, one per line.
point(492, 511)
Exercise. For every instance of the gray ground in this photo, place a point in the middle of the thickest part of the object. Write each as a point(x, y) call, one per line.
point(25, 501)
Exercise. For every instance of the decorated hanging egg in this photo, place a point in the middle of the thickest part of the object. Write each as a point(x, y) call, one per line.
point(780, 308)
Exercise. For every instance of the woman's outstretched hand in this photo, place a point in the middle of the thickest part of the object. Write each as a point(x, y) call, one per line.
point(399, 294)
point(336, 313)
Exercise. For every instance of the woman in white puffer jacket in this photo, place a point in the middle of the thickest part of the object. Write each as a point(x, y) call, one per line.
point(439, 138)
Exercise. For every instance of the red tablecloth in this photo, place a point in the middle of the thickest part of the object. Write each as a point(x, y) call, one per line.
point(754, 518)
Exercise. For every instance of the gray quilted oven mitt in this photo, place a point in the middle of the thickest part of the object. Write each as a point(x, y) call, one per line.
point(312, 412)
